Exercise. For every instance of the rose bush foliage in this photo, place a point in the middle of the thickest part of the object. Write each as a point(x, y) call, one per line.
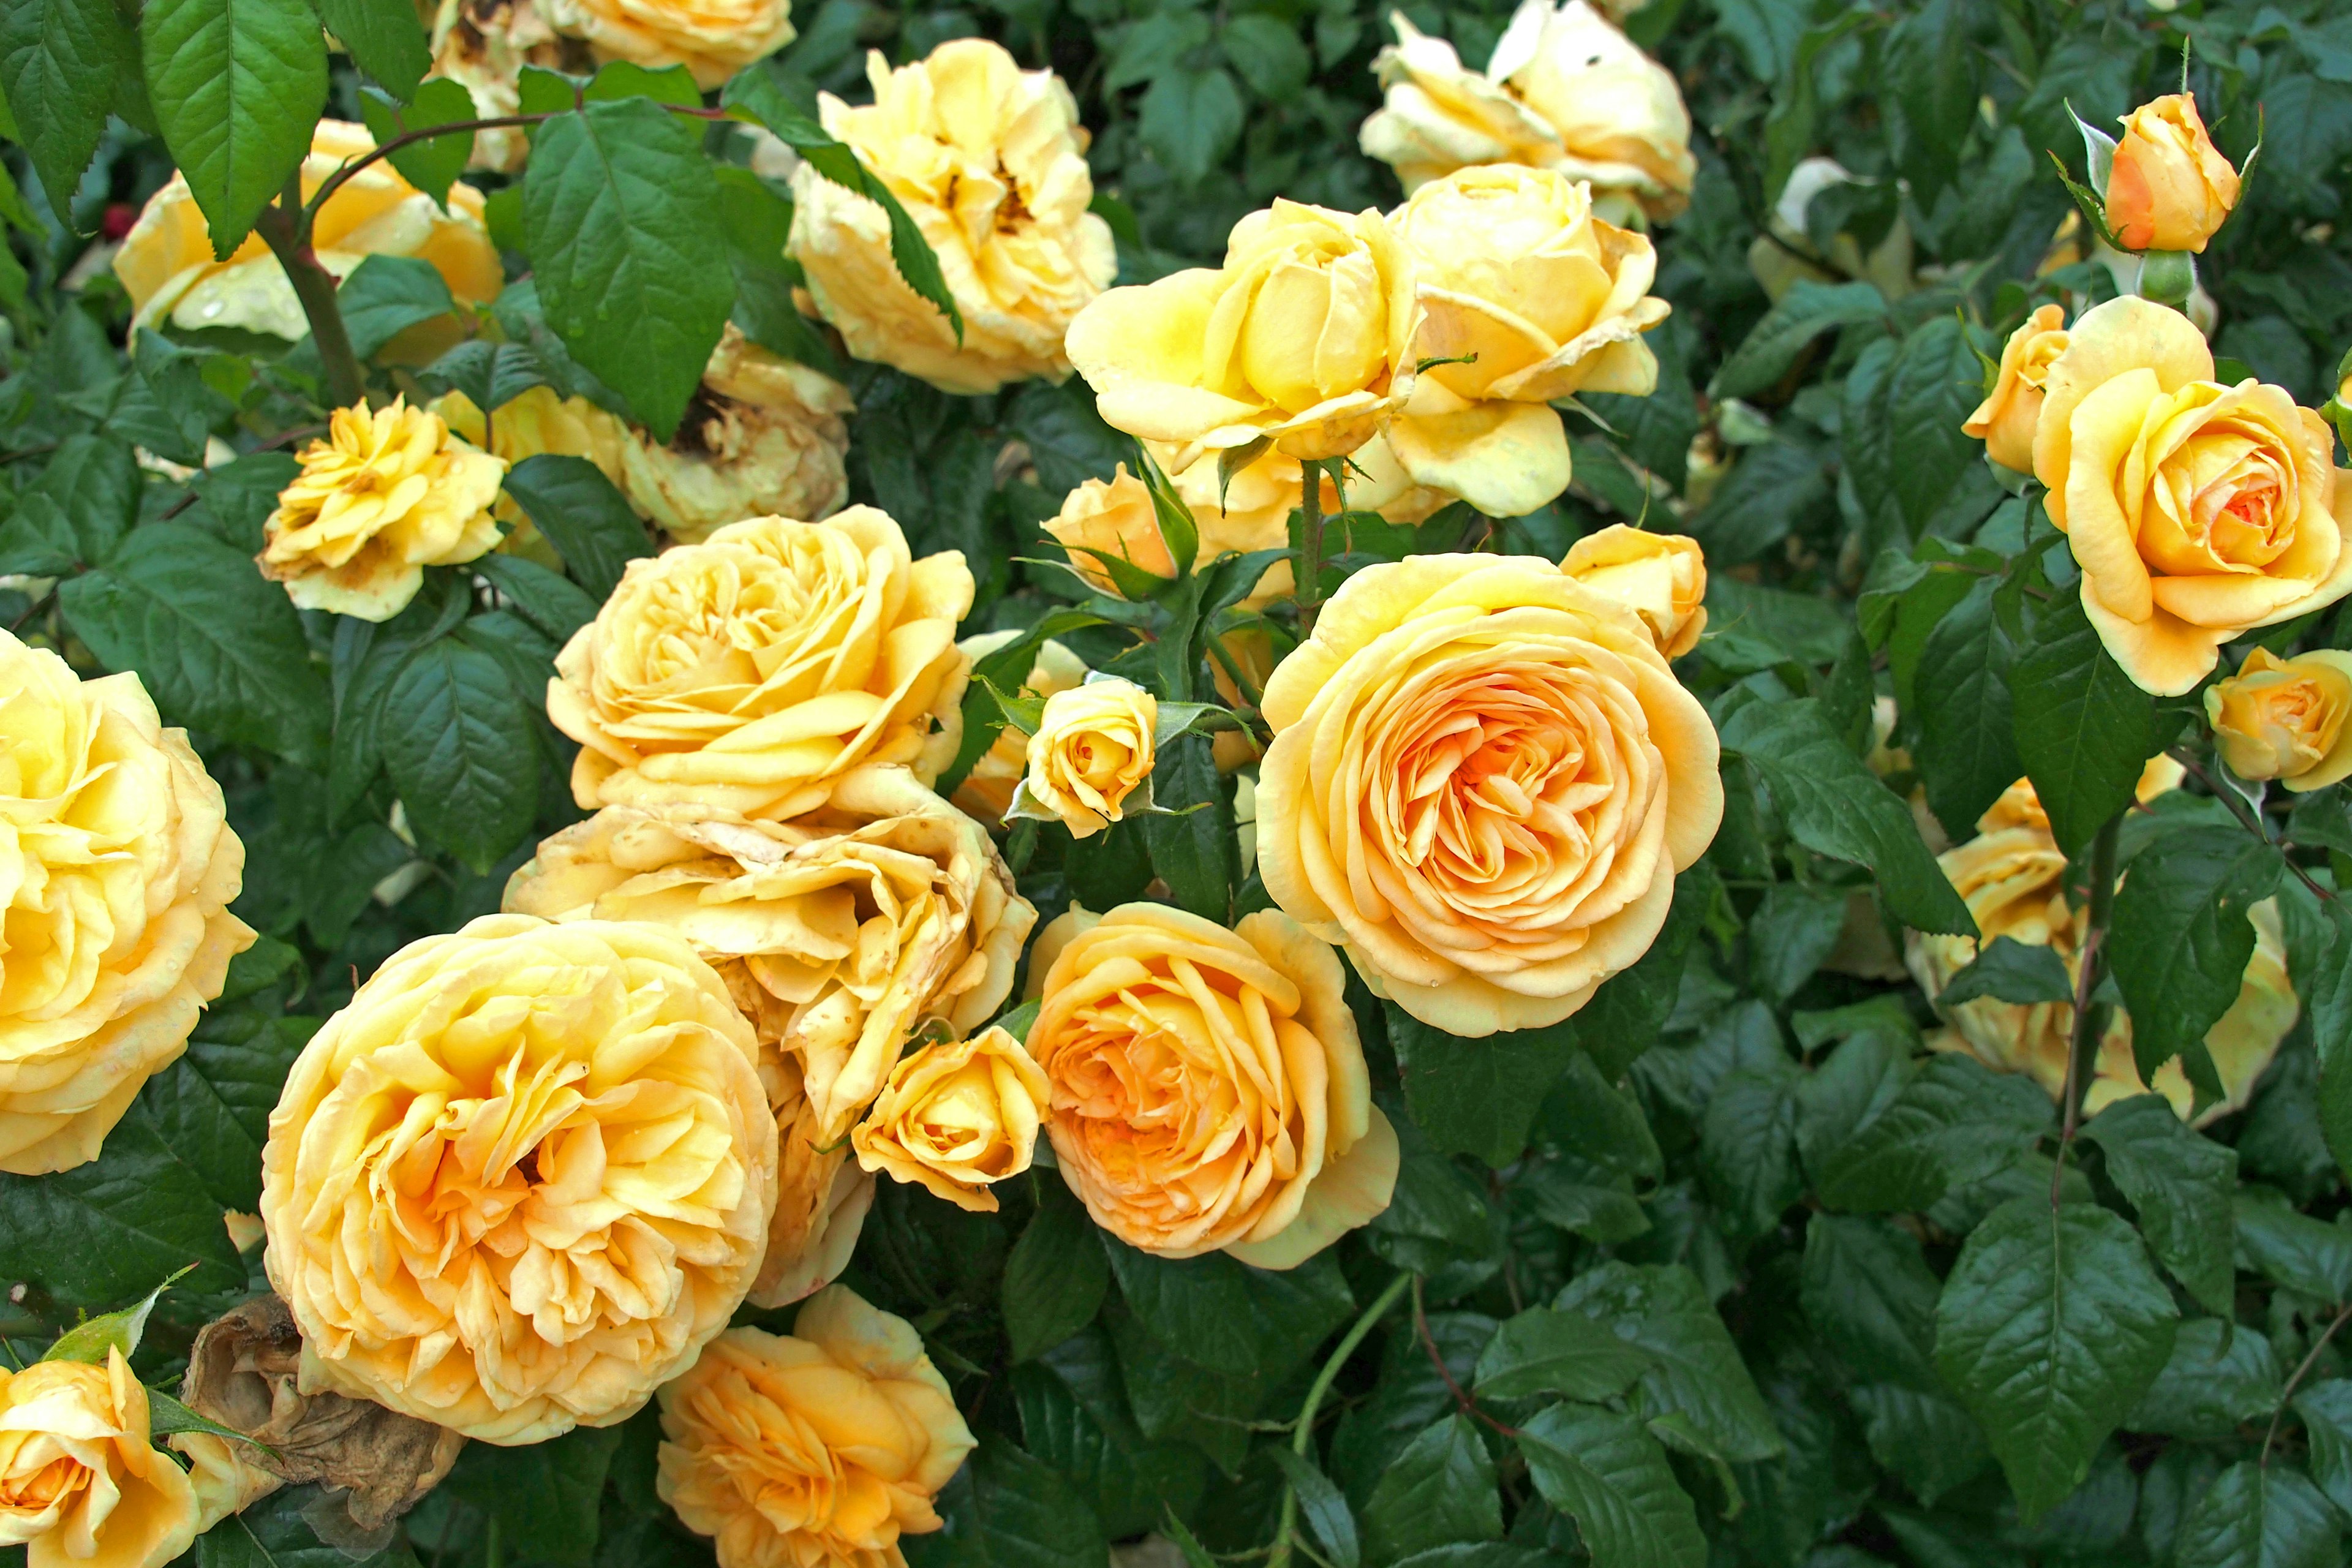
point(1085, 782)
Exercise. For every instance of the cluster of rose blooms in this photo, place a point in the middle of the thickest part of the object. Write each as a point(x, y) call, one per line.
point(527, 1176)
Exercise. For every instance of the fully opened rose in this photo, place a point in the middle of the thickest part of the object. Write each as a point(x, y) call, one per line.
point(522, 1178)
point(1482, 780)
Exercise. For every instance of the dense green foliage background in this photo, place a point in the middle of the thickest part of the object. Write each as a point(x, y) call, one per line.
point(1725, 1270)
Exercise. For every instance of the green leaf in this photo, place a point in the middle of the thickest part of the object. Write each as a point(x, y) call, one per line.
point(432, 163)
point(551, 602)
point(2220, 1375)
point(1228, 1317)
point(1697, 1370)
point(165, 406)
point(38, 539)
point(166, 1416)
point(1561, 1192)
point(2180, 1183)
point(1319, 1502)
point(59, 59)
point(387, 42)
point(1189, 119)
point(2327, 1412)
point(461, 752)
point(1006, 1510)
point(1007, 669)
point(673, 85)
point(1624, 1015)
point(1953, 1122)
point(219, 646)
point(2181, 940)
point(1546, 1350)
point(1192, 851)
point(583, 515)
point(238, 86)
point(1771, 492)
point(213, 1105)
point(1054, 1277)
point(92, 1339)
point(1268, 53)
point(491, 376)
point(622, 221)
point(1439, 1490)
point(1930, 1444)
point(2050, 1327)
point(1793, 932)
point(2084, 729)
point(386, 295)
point(1074, 1416)
point(1477, 1097)
point(96, 484)
point(1772, 345)
point(1910, 469)
point(1836, 806)
point(1609, 1474)
point(1589, 1117)
point(1966, 752)
point(271, 1532)
point(1869, 1296)
point(2260, 1515)
point(2293, 1250)
point(2011, 971)
point(545, 1493)
point(234, 501)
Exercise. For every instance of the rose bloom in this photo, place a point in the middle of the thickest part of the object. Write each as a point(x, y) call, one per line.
point(1209, 1091)
point(957, 1118)
point(2006, 419)
point(1094, 747)
point(1564, 92)
point(986, 793)
point(1535, 300)
point(990, 162)
point(2014, 880)
point(117, 867)
point(1304, 337)
point(2197, 511)
point(2170, 187)
point(815, 1449)
point(385, 495)
point(81, 1483)
point(482, 46)
point(2283, 718)
point(752, 670)
point(1660, 577)
point(167, 268)
point(1482, 780)
point(1118, 519)
point(522, 1179)
point(838, 933)
point(711, 39)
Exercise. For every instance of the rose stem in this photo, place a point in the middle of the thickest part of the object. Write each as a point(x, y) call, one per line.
point(1302, 1439)
point(2089, 1016)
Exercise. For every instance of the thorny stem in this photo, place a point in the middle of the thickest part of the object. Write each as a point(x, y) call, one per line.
point(1302, 1438)
point(288, 236)
point(2301, 1369)
point(2088, 1015)
point(2246, 819)
point(1437, 1359)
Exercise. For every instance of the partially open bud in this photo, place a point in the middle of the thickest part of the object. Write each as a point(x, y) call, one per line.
point(2169, 188)
point(1118, 520)
point(2283, 719)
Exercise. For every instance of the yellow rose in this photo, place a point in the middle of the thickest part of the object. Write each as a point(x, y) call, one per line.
point(385, 495)
point(1093, 748)
point(2170, 187)
point(2014, 880)
point(1660, 577)
point(990, 162)
point(2197, 511)
point(1208, 1088)
point(2283, 718)
point(957, 1118)
point(1117, 519)
point(166, 262)
point(117, 867)
point(711, 39)
point(2019, 806)
point(813, 1449)
point(839, 933)
point(1304, 337)
point(752, 670)
point(81, 1483)
point(522, 1179)
point(986, 793)
point(1482, 780)
point(1564, 92)
point(2005, 420)
point(482, 46)
point(1525, 298)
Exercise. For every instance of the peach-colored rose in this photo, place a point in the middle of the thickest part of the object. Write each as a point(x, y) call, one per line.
point(117, 867)
point(986, 793)
point(815, 1449)
point(1093, 748)
point(1209, 1089)
point(752, 670)
point(1117, 519)
point(2283, 718)
point(2170, 187)
point(2197, 511)
point(1482, 780)
point(1564, 92)
point(522, 1178)
point(2005, 420)
point(81, 1482)
point(957, 1118)
point(1660, 577)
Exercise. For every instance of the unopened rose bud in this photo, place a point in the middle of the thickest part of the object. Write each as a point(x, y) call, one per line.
point(1117, 520)
point(2170, 188)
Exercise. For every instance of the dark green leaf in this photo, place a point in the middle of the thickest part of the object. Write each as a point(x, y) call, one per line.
point(2011, 971)
point(385, 39)
point(1326, 1511)
point(95, 484)
point(460, 753)
point(1697, 1372)
point(2293, 1250)
point(2180, 1184)
point(1624, 1015)
point(490, 374)
point(545, 1493)
point(1772, 345)
point(1006, 1510)
point(272, 1533)
point(432, 163)
point(1438, 1491)
point(1231, 1318)
point(2220, 1376)
point(1747, 1148)
point(1478, 1096)
point(1189, 117)
point(1927, 1439)
point(1074, 1416)
point(386, 295)
point(582, 513)
point(1909, 463)
point(213, 1105)
point(39, 541)
point(1966, 752)
point(59, 59)
point(235, 499)
point(2260, 1515)
point(2327, 1412)
point(1869, 1296)
point(548, 601)
point(1054, 1277)
point(1546, 1350)
point(2083, 728)
point(1954, 1122)
point(1192, 851)
point(1771, 493)
point(2050, 1327)
point(1609, 1474)
point(2181, 940)
point(237, 87)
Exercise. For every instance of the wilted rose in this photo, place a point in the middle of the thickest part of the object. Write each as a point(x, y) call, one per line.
point(711, 39)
